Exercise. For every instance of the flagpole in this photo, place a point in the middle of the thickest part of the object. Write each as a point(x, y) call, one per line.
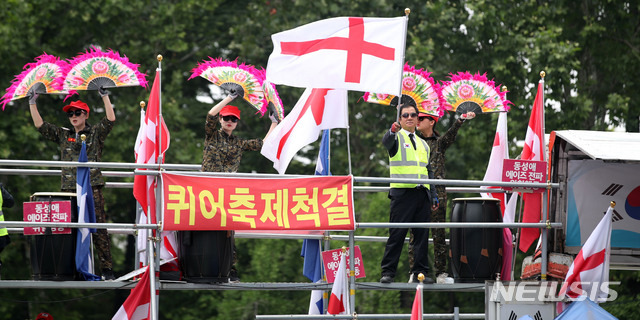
point(421, 288)
point(153, 312)
point(159, 239)
point(352, 273)
point(139, 209)
point(346, 110)
point(407, 11)
point(543, 231)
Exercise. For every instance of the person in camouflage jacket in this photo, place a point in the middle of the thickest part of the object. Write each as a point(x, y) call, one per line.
point(438, 145)
point(223, 150)
point(70, 146)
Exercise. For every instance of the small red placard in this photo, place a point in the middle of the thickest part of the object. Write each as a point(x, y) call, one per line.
point(524, 171)
point(45, 211)
point(331, 261)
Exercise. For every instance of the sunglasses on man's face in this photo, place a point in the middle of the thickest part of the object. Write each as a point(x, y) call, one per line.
point(409, 115)
point(77, 113)
point(230, 118)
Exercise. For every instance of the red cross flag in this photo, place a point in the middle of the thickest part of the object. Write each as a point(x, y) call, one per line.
point(317, 109)
point(360, 54)
point(589, 273)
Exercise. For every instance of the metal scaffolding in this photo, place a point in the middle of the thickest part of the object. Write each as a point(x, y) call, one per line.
point(132, 169)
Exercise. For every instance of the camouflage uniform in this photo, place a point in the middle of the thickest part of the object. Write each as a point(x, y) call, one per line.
point(439, 145)
point(222, 153)
point(70, 145)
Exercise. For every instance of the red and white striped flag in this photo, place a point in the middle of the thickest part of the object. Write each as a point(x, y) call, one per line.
point(138, 304)
point(153, 140)
point(339, 299)
point(534, 147)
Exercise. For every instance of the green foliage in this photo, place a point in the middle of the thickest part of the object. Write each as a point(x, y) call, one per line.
point(588, 48)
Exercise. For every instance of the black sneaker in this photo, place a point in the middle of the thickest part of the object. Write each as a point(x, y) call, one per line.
point(233, 276)
point(414, 279)
point(107, 274)
point(386, 279)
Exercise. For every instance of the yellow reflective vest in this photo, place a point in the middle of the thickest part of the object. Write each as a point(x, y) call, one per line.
point(3, 231)
point(408, 163)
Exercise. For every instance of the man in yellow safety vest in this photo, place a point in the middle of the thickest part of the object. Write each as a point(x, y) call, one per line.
point(410, 202)
point(6, 201)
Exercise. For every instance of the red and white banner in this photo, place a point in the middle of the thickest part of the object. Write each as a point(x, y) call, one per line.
point(534, 147)
point(46, 211)
point(339, 299)
point(352, 53)
point(317, 110)
point(138, 304)
point(331, 263)
point(214, 203)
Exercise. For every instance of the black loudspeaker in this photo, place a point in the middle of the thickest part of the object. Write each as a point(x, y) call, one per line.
point(476, 253)
point(206, 256)
point(53, 256)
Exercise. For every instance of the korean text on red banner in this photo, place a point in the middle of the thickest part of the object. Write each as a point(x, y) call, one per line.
point(45, 211)
point(331, 260)
point(214, 203)
point(524, 171)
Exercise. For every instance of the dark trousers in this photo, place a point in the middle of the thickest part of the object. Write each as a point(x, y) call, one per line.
point(407, 205)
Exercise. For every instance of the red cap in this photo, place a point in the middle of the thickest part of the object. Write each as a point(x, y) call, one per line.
point(230, 111)
point(44, 316)
point(76, 104)
point(421, 114)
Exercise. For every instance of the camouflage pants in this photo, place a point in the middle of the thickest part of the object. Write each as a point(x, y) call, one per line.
point(101, 240)
point(439, 238)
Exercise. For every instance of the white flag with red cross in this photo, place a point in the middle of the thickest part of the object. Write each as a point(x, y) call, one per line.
point(352, 53)
point(317, 110)
point(590, 269)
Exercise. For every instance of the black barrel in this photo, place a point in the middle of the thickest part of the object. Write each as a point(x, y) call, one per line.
point(205, 256)
point(53, 256)
point(476, 253)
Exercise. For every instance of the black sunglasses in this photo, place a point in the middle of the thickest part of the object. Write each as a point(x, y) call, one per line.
point(425, 117)
point(409, 115)
point(76, 112)
point(230, 118)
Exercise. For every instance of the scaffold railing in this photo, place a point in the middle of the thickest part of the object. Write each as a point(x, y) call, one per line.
point(129, 170)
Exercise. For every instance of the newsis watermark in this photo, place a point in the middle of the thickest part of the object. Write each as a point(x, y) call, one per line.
point(550, 291)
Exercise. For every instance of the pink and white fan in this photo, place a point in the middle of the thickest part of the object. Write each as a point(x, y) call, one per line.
point(95, 69)
point(418, 89)
point(244, 79)
point(466, 92)
point(38, 77)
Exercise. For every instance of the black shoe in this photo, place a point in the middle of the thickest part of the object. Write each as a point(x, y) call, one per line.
point(414, 279)
point(233, 276)
point(386, 279)
point(107, 274)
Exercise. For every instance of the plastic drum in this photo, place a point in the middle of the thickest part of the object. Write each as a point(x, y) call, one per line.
point(205, 256)
point(476, 253)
